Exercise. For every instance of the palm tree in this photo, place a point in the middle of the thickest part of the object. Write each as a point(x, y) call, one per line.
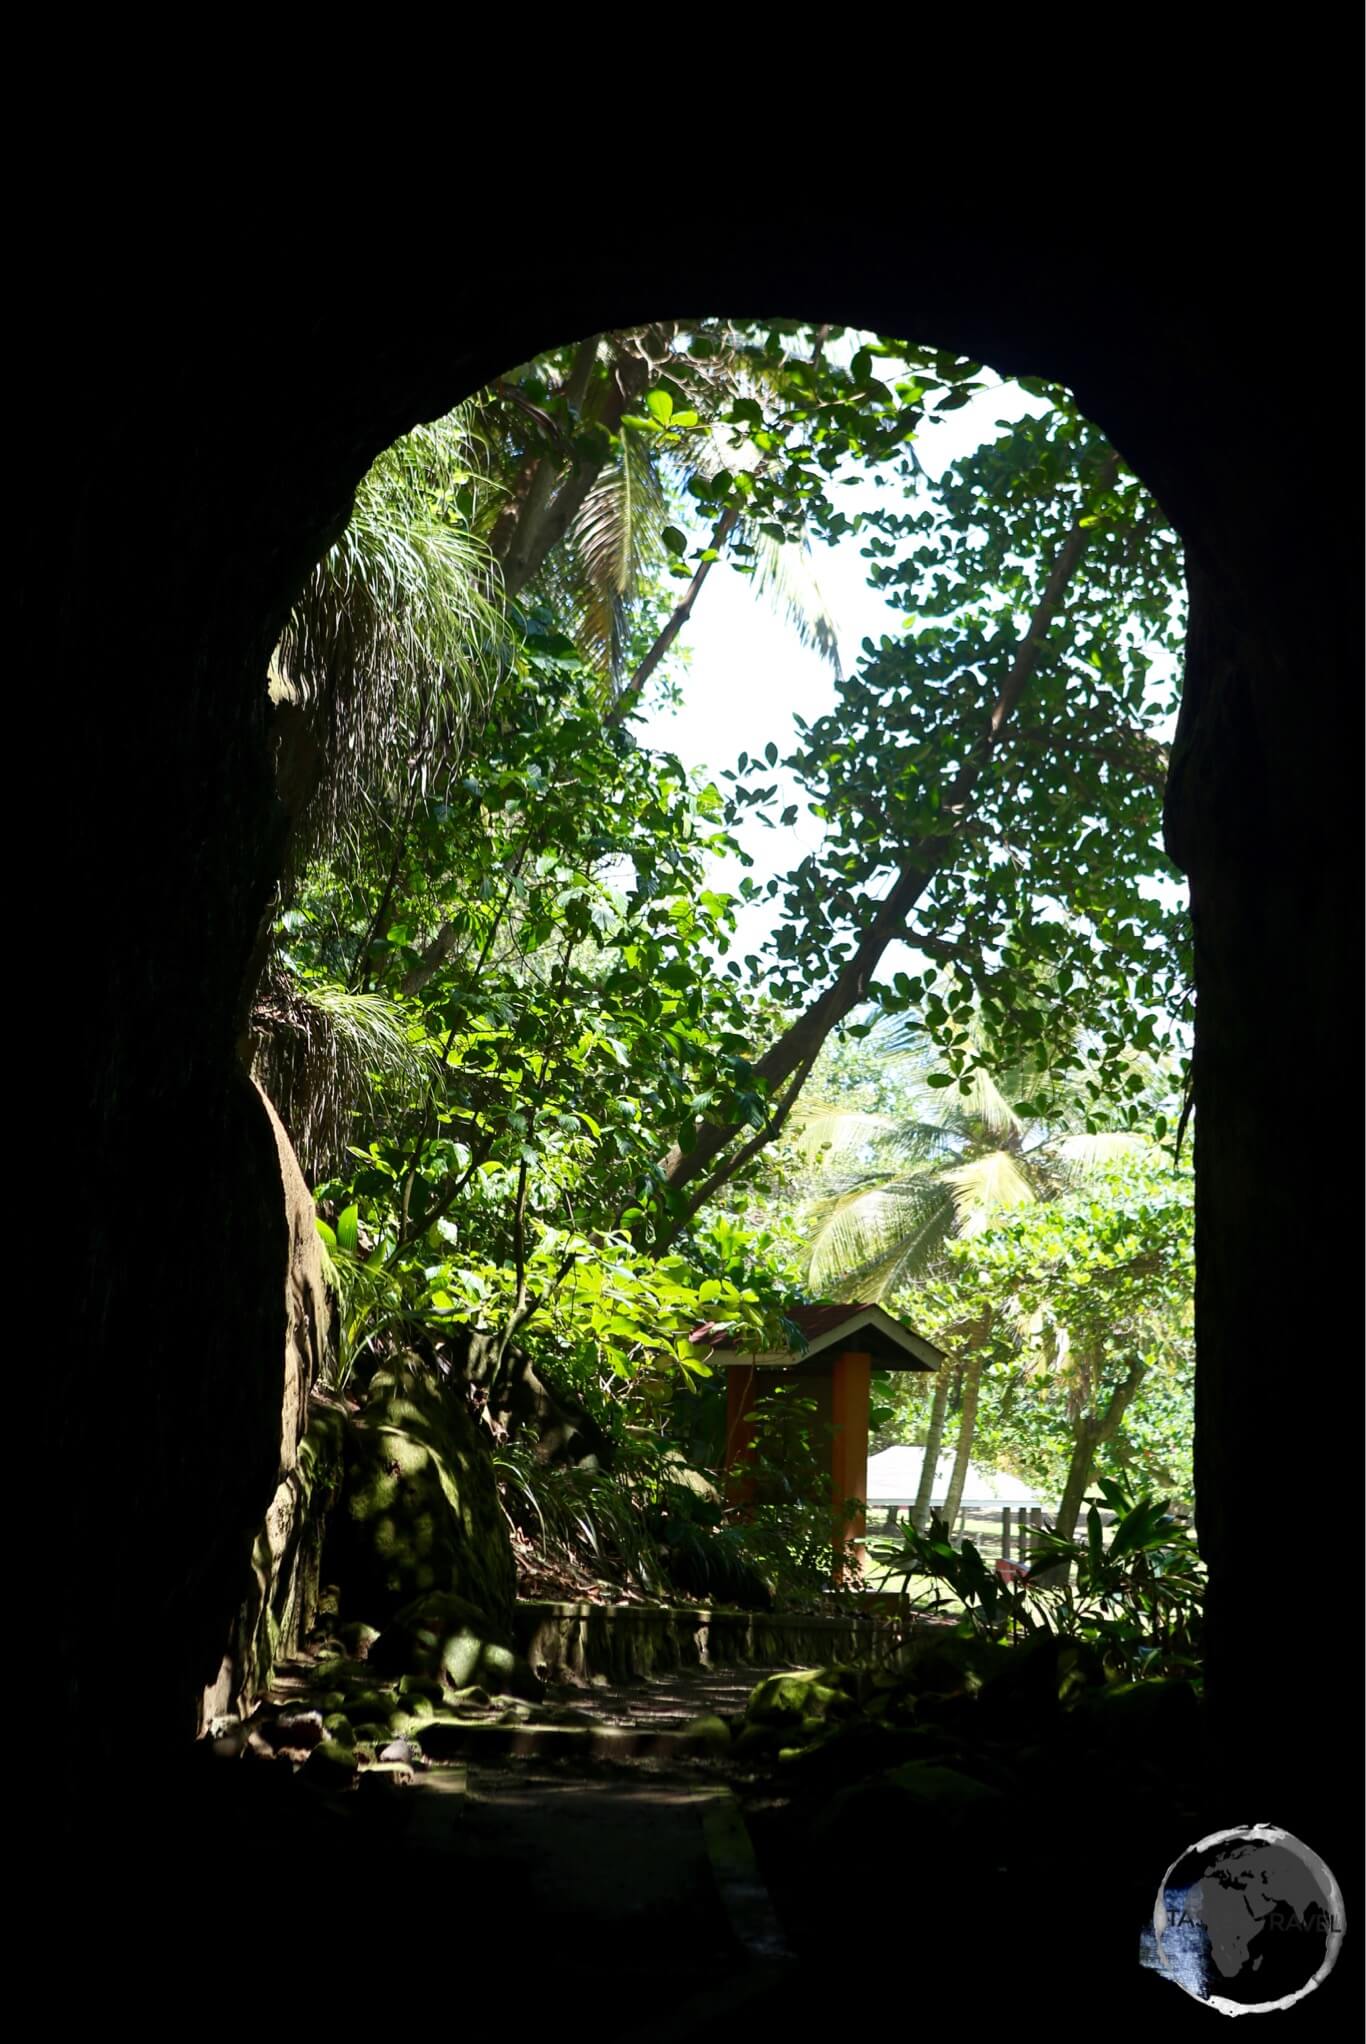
point(583, 525)
point(401, 634)
point(897, 1186)
point(900, 1186)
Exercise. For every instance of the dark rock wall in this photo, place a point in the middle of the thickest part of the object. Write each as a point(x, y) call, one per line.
point(418, 1508)
point(279, 1576)
point(233, 434)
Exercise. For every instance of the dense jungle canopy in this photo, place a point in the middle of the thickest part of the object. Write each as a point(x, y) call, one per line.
point(542, 1099)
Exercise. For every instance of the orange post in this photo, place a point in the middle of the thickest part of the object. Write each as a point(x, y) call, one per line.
point(849, 1388)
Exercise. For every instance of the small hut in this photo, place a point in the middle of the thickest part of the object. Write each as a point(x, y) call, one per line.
point(841, 1347)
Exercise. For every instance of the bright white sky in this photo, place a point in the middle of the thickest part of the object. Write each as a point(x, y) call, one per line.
point(748, 674)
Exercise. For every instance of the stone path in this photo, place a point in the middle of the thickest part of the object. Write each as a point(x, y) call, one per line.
point(663, 1703)
point(636, 1882)
point(594, 1877)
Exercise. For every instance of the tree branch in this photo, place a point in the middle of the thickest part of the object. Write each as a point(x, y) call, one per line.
point(800, 1044)
point(630, 695)
point(729, 1166)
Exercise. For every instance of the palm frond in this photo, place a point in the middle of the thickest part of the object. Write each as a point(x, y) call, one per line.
point(904, 1262)
point(398, 636)
point(1087, 1151)
point(986, 1104)
point(914, 1142)
point(785, 574)
point(323, 1053)
point(984, 1186)
point(835, 1130)
point(615, 538)
point(858, 1230)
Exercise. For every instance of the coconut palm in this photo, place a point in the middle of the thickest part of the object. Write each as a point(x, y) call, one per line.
point(898, 1187)
point(584, 525)
point(401, 634)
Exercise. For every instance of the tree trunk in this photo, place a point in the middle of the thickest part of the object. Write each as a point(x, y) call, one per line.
point(967, 1426)
point(920, 1511)
point(545, 517)
point(1091, 1430)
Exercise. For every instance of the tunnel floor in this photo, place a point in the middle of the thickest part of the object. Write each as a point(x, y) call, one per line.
point(586, 1891)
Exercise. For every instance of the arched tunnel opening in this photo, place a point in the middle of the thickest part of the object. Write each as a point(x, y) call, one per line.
point(180, 1447)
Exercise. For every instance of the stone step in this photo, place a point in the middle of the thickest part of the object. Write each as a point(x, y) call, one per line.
point(442, 1740)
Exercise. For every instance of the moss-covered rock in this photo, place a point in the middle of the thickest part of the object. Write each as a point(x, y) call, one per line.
point(371, 1702)
point(331, 1765)
point(430, 1686)
point(418, 1512)
point(810, 1695)
point(338, 1728)
point(951, 1663)
point(707, 1736)
point(444, 1636)
point(918, 1812)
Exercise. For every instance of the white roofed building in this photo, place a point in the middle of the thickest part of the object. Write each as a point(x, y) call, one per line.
point(894, 1481)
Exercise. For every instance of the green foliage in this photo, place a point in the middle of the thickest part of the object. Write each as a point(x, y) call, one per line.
point(651, 1526)
point(547, 950)
point(1019, 770)
point(399, 634)
point(1140, 1595)
point(1080, 1306)
point(1136, 1599)
point(1064, 1300)
point(789, 1525)
point(503, 1011)
point(589, 1520)
point(888, 1189)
